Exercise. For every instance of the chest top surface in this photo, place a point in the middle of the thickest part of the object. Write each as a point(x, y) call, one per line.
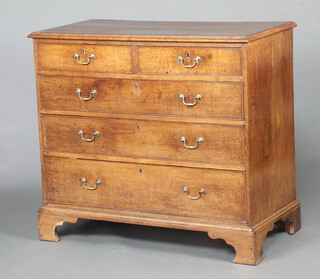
point(101, 29)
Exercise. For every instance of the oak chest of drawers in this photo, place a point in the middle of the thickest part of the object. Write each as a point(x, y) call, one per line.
point(180, 125)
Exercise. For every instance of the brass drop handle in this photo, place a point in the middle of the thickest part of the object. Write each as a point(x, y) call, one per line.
point(197, 98)
point(196, 60)
point(94, 135)
point(198, 142)
point(93, 93)
point(84, 182)
point(76, 56)
point(186, 191)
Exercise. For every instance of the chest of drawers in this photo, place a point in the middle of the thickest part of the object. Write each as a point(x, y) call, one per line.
point(171, 124)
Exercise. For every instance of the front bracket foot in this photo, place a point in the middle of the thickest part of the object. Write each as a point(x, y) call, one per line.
point(248, 244)
point(48, 225)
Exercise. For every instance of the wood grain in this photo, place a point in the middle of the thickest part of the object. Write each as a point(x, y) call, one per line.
point(218, 100)
point(161, 140)
point(291, 222)
point(269, 128)
point(149, 117)
point(126, 30)
point(247, 241)
point(245, 116)
point(160, 219)
point(159, 187)
point(48, 225)
point(247, 244)
point(136, 76)
point(214, 61)
point(149, 161)
point(107, 58)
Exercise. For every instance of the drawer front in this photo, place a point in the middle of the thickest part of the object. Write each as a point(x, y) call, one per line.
point(106, 58)
point(219, 100)
point(145, 188)
point(190, 61)
point(222, 144)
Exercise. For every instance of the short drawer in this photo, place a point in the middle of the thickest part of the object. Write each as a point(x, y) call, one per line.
point(180, 98)
point(207, 143)
point(190, 61)
point(83, 57)
point(158, 189)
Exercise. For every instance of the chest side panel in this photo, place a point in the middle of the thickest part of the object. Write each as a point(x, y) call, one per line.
point(269, 124)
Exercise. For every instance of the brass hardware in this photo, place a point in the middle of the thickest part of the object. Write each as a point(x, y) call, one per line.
point(93, 93)
point(84, 181)
point(89, 58)
point(198, 142)
point(136, 85)
point(196, 60)
point(138, 126)
point(94, 135)
point(197, 98)
point(186, 191)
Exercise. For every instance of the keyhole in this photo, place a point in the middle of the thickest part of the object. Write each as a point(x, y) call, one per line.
point(138, 126)
point(135, 85)
point(140, 170)
point(188, 55)
point(83, 51)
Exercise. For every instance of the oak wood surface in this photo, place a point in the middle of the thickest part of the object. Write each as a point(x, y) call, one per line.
point(269, 124)
point(98, 29)
point(214, 61)
point(163, 220)
point(150, 117)
point(136, 76)
point(79, 41)
point(160, 187)
point(247, 241)
point(291, 222)
point(218, 100)
point(222, 144)
point(149, 161)
point(247, 244)
point(245, 116)
point(48, 225)
point(107, 58)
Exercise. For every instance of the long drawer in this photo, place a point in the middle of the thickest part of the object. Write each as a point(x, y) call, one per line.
point(180, 98)
point(85, 57)
point(190, 60)
point(162, 189)
point(208, 143)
